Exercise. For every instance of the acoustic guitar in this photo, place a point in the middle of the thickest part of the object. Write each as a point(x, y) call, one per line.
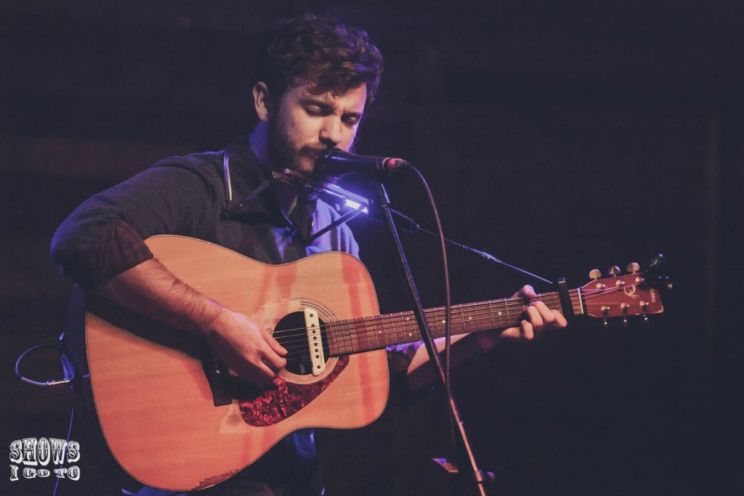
point(174, 419)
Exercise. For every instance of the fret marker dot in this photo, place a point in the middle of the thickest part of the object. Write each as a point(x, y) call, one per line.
point(500, 313)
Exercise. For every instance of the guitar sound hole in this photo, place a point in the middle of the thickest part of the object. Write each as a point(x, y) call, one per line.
point(291, 333)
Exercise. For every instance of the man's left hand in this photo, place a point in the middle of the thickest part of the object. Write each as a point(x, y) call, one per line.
point(538, 317)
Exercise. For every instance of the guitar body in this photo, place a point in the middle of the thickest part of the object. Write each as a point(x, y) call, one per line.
point(155, 404)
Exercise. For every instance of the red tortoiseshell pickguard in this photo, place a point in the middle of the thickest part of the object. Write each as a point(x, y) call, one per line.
point(274, 405)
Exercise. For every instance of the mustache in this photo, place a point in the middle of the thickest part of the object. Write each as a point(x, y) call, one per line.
point(315, 152)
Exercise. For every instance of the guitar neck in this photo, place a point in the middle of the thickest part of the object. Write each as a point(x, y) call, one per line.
point(375, 332)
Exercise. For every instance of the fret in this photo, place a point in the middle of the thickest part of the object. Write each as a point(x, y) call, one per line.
point(377, 323)
point(341, 333)
point(345, 335)
point(354, 334)
point(348, 336)
point(465, 317)
point(391, 331)
point(383, 332)
point(393, 328)
point(357, 334)
point(483, 313)
point(377, 331)
point(372, 331)
point(369, 331)
point(364, 333)
point(442, 321)
point(508, 317)
point(334, 337)
point(336, 329)
point(580, 300)
point(331, 338)
point(490, 312)
point(439, 322)
point(477, 315)
point(407, 333)
point(483, 319)
point(433, 320)
point(411, 328)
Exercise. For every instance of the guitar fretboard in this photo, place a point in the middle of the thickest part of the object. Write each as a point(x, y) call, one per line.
point(379, 331)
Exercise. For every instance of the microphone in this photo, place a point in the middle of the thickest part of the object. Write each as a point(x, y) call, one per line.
point(338, 162)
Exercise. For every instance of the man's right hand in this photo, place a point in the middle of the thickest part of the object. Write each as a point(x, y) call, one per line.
point(236, 341)
point(250, 352)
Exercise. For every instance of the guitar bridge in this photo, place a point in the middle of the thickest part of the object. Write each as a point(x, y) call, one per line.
point(314, 341)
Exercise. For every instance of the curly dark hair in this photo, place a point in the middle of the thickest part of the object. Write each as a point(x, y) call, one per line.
point(322, 51)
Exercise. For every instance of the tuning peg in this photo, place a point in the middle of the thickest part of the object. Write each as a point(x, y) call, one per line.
point(614, 271)
point(595, 274)
point(656, 262)
point(625, 308)
point(633, 267)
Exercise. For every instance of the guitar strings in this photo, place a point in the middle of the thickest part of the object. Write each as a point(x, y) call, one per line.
point(432, 314)
point(369, 328)
point(512, 303)
point(364, 329)
point(374, 327)
point(512, 307)
point(509, 304)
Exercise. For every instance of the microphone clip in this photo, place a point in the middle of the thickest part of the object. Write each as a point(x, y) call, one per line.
point(333, 194)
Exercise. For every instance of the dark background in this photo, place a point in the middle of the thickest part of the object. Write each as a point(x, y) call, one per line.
point(558, 135)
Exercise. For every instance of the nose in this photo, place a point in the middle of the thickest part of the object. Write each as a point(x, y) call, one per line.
point(330, 131)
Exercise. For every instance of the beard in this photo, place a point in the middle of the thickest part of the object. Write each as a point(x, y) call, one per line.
point(286, 155)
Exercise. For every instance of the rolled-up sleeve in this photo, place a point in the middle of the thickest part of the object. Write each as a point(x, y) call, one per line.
point(115, 248)
point(105, 235)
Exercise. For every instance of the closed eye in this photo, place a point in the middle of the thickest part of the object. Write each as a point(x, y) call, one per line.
point(351, 119)
point(316, 110)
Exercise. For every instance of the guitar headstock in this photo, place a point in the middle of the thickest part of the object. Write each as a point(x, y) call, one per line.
point(634, 293)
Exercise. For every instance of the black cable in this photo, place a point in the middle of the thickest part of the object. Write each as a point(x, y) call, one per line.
point(447, 296)
point(68, 376)
point(416, 228)
point(67, 439)
point(68, 372)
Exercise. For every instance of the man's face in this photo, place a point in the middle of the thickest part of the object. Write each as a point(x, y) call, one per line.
point(304, 126)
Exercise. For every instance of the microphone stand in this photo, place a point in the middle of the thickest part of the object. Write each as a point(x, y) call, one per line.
point(426, 334)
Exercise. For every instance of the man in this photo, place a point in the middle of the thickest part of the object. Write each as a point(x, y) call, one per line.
point(314, 82)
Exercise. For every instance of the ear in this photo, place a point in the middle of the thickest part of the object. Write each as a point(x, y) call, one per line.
point(261, 101)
